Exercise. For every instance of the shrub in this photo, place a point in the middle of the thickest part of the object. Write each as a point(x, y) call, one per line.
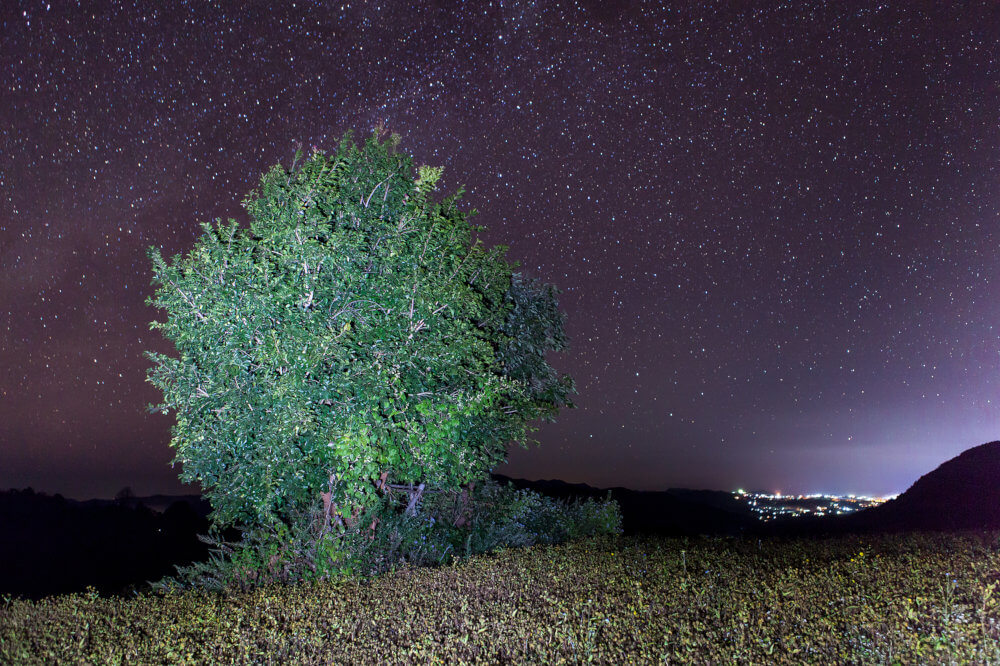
point(384, 537)
point(508, 517)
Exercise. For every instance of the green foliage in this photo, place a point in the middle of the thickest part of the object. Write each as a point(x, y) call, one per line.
point(909, 599)
point(498, 517)
point(353, 338)
point(262, 555)
point(506, 517)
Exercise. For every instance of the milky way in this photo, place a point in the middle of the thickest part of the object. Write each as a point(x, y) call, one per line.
point(774, 229)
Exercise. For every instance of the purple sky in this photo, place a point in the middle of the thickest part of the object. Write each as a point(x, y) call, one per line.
point(774, 228)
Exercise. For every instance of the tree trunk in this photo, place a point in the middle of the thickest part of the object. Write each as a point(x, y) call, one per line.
point(415, 495)
point(462, 506)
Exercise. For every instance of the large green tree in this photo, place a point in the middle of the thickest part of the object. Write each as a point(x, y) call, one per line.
point(354, 339)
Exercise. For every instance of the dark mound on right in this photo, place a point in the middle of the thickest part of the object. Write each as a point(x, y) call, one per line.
point(961, 494)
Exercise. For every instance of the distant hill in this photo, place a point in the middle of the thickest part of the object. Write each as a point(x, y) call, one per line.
point(53, 545)
point(157, 503)
point(962, 493)
point(675, 511)
point(50, 544)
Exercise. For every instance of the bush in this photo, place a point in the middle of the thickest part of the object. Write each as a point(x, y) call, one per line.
point(247, 559)
point(384, 537)
point(505, 517)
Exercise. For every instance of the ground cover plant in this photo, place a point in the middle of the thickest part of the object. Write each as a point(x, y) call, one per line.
point(904, 598)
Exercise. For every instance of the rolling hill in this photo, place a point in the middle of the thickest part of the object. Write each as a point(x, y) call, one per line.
point(962, 493)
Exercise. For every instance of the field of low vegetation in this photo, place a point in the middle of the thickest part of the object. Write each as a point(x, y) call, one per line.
point(912, 598)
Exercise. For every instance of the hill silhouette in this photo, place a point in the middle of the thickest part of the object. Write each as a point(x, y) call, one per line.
point(960, 494)
point(675, 512)
point(50, 544)
point(53, 545)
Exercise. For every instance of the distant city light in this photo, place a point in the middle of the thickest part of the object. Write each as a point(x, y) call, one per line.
point(772, 506)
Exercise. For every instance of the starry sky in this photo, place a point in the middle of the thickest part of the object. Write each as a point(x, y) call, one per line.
point(774, 224)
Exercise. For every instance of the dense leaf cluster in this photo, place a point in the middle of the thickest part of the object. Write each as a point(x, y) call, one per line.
point(356, 337)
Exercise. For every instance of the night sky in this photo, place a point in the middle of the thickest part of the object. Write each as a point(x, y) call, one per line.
point(774, 228)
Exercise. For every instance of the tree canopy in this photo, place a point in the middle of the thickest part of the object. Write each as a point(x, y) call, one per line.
point(353, 337)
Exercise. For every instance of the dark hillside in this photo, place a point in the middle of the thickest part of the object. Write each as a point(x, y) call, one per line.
point(962, 493)
point(676, 512)
point(52, 545)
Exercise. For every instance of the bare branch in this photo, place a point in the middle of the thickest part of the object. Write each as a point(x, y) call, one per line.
point(188, 300)
point(378, 186)
point(415, 495)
